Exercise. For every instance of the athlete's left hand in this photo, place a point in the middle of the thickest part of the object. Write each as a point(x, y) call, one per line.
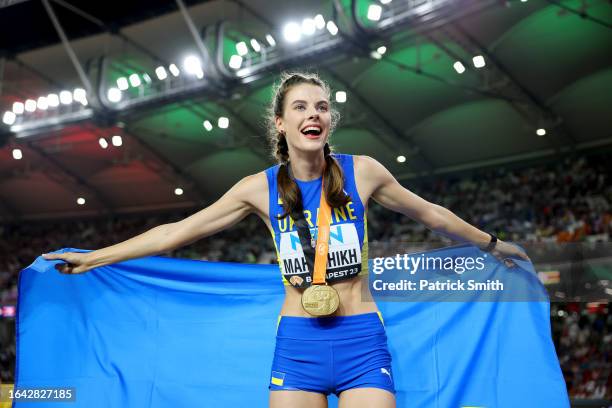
point(503, 251)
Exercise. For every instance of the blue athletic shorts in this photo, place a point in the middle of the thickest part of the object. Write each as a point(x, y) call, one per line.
point(331, 354)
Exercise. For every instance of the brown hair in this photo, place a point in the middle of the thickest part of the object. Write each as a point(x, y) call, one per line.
point(333, 174)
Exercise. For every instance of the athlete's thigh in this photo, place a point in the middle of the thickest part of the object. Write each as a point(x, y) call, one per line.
point(366, 398)
point(297, 399)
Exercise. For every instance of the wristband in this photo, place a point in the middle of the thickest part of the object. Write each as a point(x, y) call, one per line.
point(492, 243)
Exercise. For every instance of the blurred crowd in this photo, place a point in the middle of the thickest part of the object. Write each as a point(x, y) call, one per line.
point(569, 200)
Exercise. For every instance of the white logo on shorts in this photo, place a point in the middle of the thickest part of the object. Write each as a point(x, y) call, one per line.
point(385, 371)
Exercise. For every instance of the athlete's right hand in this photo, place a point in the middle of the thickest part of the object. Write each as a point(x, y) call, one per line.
point(76, 262)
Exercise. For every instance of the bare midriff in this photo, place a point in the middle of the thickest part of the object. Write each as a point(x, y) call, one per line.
point(355, 298)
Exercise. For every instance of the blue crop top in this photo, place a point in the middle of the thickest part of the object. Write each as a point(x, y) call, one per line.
point(348, 244)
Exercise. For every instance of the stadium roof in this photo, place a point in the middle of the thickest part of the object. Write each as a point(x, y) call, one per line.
point(547, 65)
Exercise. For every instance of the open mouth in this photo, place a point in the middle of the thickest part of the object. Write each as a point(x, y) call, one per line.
point(312, 131)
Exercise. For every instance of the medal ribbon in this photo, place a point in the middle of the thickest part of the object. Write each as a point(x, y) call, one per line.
point(322, 245)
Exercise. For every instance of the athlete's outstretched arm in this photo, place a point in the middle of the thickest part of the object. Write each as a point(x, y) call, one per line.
point(380, 184)
point(232, 207)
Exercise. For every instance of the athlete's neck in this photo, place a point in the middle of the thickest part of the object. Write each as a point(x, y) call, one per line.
point(305, 167)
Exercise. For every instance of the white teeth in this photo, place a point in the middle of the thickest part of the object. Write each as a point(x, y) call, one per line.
point(318, 129)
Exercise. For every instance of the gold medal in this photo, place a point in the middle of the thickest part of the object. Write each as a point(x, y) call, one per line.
point(320, 300)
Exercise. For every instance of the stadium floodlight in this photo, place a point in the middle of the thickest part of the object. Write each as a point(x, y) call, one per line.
point(340, 96)
point(319, 22)
point(223, 122)
point(478, 61)
point(53, 100)
point(17, 154)
point(374, 12)
point(385, 1)
point(332, 27)
point(161, 73)
point(178, 191)
point(65, 97)
point(80, 95)
point(18, 108)
point(41, 103)
point(114, 94)
point(235, 61)
point(207, 125)
point(308, 26)
point(242, 48)
point(292, 32)
point(270, 40)
point(117, 140)
point(30, 105)
point(401, 159)
point(135, 80)
point(541, 132)
point(381, 50)
point(193, 66)
point(376, 55)
point(174, 70)
point(103, 143)
point(9, 118)
point(122, 83)
point(80, 201)
point(146, 78)
point(255, 45)
point(459, 67)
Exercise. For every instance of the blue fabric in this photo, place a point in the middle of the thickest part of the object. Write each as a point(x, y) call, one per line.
point(331, 354)
point(160, 332)
point(347, 255)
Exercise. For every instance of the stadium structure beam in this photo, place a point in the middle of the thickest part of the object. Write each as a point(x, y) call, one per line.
point(581, 13)
point(68, 48)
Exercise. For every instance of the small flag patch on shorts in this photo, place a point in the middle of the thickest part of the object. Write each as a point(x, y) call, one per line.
point(278, 378)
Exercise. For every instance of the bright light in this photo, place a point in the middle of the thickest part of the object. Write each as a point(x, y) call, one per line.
point(292, 32)
point(17, 155)
point(270, 40)
point(79, 95)
point(207, 125)
point(30, 105)
point(103, 143)
point(41, 103)
point(381, 50)
point(401, 159)
point(223, 122)
point(385, 1)
point(161, 73)
point(375, 55)
point(66, 97)
point(122, 83)
point(319, 22)
point(117, 140)
point(53, 100)
point(235, 61)
point(308, 26)
point(135, 80)
point(459, 67)
point(340, 96)
point(332, 28)
point(255, 45)
point(374, 12)
point(193, 66)
point(18, 108)
point(242, 48)
point(541, 132)
point(174, 70)
point(80, 201)
point(478, 61)
point(114, 95)
point(9, 118)
point(178, 191)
